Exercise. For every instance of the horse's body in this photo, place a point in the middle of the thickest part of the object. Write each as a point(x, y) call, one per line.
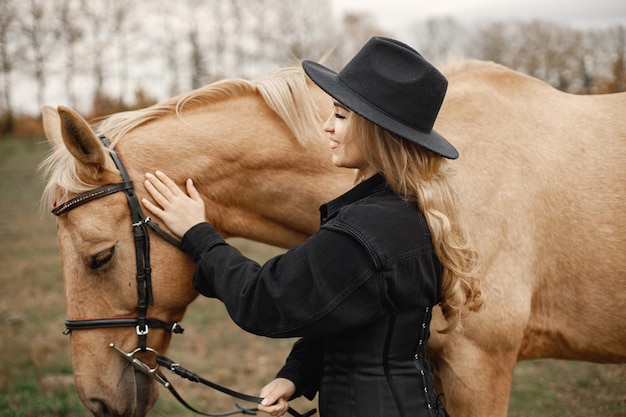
point(541, 176)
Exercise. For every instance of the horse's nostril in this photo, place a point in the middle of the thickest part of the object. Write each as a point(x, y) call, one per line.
point(98, 408)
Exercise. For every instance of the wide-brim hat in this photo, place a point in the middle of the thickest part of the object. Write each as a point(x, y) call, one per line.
point(392, 85)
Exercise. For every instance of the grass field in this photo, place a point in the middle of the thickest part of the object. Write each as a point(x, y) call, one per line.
point(35, 367)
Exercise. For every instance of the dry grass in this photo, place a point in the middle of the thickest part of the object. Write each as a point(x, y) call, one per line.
point(35, 368)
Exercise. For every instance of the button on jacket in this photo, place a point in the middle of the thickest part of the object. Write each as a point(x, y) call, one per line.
point(359, 292)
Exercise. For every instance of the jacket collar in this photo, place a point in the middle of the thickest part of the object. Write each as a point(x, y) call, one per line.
point(359, 191)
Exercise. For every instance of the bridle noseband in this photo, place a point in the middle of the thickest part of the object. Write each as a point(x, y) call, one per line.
point(145, 297)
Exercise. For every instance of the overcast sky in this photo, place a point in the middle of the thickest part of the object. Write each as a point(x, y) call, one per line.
point(394, 15)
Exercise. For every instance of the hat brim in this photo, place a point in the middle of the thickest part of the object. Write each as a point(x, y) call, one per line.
point(328, 81)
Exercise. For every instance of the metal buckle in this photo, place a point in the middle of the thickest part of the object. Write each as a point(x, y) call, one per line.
point(141, 366)
point(142, 332)
point(140, 222)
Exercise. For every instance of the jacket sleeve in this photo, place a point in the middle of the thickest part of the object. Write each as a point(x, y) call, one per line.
point(325, 285)
point(304, 367)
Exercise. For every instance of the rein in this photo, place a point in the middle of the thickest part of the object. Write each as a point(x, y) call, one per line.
point(142, 322)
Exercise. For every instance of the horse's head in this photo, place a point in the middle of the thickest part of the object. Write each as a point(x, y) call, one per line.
point(100, 267)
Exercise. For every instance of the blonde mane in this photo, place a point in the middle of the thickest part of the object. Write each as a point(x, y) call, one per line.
point(284, 90)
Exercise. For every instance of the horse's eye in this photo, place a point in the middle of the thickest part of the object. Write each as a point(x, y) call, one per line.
point(102, 258)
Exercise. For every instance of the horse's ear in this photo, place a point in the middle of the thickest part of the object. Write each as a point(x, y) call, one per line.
point(81, 141)
point(52, 125)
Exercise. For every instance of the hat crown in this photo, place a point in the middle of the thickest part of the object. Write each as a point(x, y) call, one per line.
point(397, 80)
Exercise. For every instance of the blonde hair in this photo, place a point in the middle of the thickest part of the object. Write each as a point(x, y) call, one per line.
point(424, 177)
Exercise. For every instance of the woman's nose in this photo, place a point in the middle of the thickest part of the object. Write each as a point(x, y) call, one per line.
point(329, 126)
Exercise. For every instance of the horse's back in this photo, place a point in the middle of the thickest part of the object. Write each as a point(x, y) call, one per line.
point(543, 181)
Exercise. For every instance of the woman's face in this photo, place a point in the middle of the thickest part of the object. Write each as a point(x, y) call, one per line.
point(346, 151)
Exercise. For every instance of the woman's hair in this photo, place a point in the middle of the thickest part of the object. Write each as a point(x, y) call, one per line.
point(425, 177)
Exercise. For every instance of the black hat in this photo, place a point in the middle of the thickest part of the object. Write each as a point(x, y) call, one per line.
point(392, 85)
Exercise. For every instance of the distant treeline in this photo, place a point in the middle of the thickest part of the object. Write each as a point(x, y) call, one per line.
point(107, 56)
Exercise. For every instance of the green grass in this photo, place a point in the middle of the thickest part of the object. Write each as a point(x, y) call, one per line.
point(568, 389)
point(35, 366)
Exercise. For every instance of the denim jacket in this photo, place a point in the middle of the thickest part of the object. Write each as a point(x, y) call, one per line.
point(360, 292)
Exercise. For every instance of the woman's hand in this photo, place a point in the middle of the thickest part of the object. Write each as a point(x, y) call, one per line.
point(275, 396)
point(179, 211)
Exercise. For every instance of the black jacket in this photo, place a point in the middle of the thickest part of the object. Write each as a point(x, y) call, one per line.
point(360, 292)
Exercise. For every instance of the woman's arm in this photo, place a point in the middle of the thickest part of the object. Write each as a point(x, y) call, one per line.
point(301, 375)
point(304, 366)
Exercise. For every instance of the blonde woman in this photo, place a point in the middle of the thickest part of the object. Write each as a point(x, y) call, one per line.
point(360, 291)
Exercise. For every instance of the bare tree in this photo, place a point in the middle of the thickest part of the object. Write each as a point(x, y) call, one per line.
point(356, 29)
point(619, 63)
point(257, 22)
point(70, 37)
point(39, 30)
point(196, 59)
point(492, 43)
point(121, 12)
point(307, 31)
point(438, 39)
point(249, 37)
point(237, 48)
point(196, 25)
point(562, 56)
point(9, 57)
point(287, 32)
point(169, 43)
point(95, 19)
point(548, 52)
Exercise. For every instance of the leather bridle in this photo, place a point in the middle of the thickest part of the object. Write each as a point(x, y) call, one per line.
point(145, 297)
point(141, 322)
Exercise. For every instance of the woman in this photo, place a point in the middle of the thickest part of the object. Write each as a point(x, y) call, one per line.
point(360, 291)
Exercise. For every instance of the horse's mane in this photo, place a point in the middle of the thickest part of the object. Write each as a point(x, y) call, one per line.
point(284, 90)
point(117, 125)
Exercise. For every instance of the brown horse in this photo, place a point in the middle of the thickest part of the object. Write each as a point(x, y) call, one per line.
point(541, 177)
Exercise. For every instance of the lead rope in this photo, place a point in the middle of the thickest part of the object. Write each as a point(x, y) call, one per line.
point(191, 376)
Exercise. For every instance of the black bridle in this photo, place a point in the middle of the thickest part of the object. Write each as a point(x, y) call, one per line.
point(145, 297)
point(142, 323)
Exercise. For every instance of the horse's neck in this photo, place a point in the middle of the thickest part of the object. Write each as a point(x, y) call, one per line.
point(257, 182)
